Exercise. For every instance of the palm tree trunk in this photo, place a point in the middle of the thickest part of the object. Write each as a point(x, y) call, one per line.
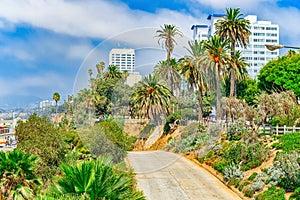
point(232, 83)
point(232, 74)
point(218, 88)
point(200, 112)
point(169, 69)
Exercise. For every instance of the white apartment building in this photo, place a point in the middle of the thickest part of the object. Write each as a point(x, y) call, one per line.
point(46, 104)
point(123, 58)
point(262, 33)
point(200, 32)
point(256, 54)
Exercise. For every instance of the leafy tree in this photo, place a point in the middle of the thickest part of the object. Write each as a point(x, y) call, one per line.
point(38, 136)
point(167, 34)
point(18, 180)
point(95, 179)
point(234, 27)
point(218, 57)
point(152, 98)
point(281, 74)
point(112, 72)
point(193, 69)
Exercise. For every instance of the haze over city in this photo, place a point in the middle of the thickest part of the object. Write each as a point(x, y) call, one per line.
point(44, 43)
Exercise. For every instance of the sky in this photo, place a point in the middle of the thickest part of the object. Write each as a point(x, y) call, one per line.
point(47, 46)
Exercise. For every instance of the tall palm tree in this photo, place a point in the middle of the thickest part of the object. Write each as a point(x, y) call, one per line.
point(166, 35)
point(152, 98)
point(56, 98)
point(162, 70)
point(94, 179)
point(18, 180)
point(233, 26)
point(112, 72)
point(218, 57)
point(193, 69)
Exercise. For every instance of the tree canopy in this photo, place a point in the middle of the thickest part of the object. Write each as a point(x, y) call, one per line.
point(281, 74)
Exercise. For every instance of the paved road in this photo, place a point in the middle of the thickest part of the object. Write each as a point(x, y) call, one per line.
point(167, 176)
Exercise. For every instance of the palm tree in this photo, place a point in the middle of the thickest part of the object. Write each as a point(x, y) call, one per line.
point(240, 66)
point(18, 180)
point(217, 53)
point(162, 70)
point(167, 35)
point(234, 27)
point(193, 69)
point(112, 72)
point(56, 98)
point(152, 98)
point(94, 179)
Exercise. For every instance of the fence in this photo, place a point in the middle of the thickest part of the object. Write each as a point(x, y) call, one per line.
point(279, 129)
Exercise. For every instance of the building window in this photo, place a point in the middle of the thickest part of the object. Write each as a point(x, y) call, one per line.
point(259, 34)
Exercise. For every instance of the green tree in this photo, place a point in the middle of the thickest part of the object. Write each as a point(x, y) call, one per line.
point(281, 74)
point(236, 28)
point(152, 98)
point(217, 53)
point(194, 71)
point(18, 180)
point(38, 136)
point(95, 180)
point(166, 35)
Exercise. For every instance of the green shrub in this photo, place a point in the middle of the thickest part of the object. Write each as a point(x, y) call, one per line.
point(234, 181)
point(220, 165)
point(236, 130)
point(272, 193)
point(290, 142)
point(171, 119)
point(295, 195)
point(253, 176)
point(235, 153)
point(243, 184)
point(249, 193)
point(232, 171)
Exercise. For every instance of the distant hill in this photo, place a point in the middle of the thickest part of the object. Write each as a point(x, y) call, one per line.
point(18, 101)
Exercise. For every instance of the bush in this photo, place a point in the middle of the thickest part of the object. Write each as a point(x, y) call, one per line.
point(171, 119)
point(232, 171)
point(220, 165)
point(286, 171)
point(295, 195)
point(236, 130)
point(235, 153)
point(253, 176)
point(243, 184)
point(249, 193)
point(38, 136)
point(290, 142)
point(272, 193)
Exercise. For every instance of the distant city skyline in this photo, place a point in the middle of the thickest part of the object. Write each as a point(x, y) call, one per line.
point(44, 43)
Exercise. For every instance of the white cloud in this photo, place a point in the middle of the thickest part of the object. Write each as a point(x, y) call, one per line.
point(42, 82)
point(98, 19)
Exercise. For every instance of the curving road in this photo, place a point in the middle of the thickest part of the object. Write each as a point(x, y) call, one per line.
point(168, 176)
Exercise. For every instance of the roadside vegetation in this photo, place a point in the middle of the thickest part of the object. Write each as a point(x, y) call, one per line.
point(80, 154)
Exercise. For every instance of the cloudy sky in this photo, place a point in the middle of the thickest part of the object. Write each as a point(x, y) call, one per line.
point(48, 45)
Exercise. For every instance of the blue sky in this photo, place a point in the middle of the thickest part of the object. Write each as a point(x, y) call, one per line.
point(48, 45)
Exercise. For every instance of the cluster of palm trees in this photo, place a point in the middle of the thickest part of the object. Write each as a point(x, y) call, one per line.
point(208, 63)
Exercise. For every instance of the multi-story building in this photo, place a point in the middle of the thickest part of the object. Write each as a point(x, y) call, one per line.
point(262, 33)
point(256, 53)
point(200, 32)
point(46, 104)
point(123, 58)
